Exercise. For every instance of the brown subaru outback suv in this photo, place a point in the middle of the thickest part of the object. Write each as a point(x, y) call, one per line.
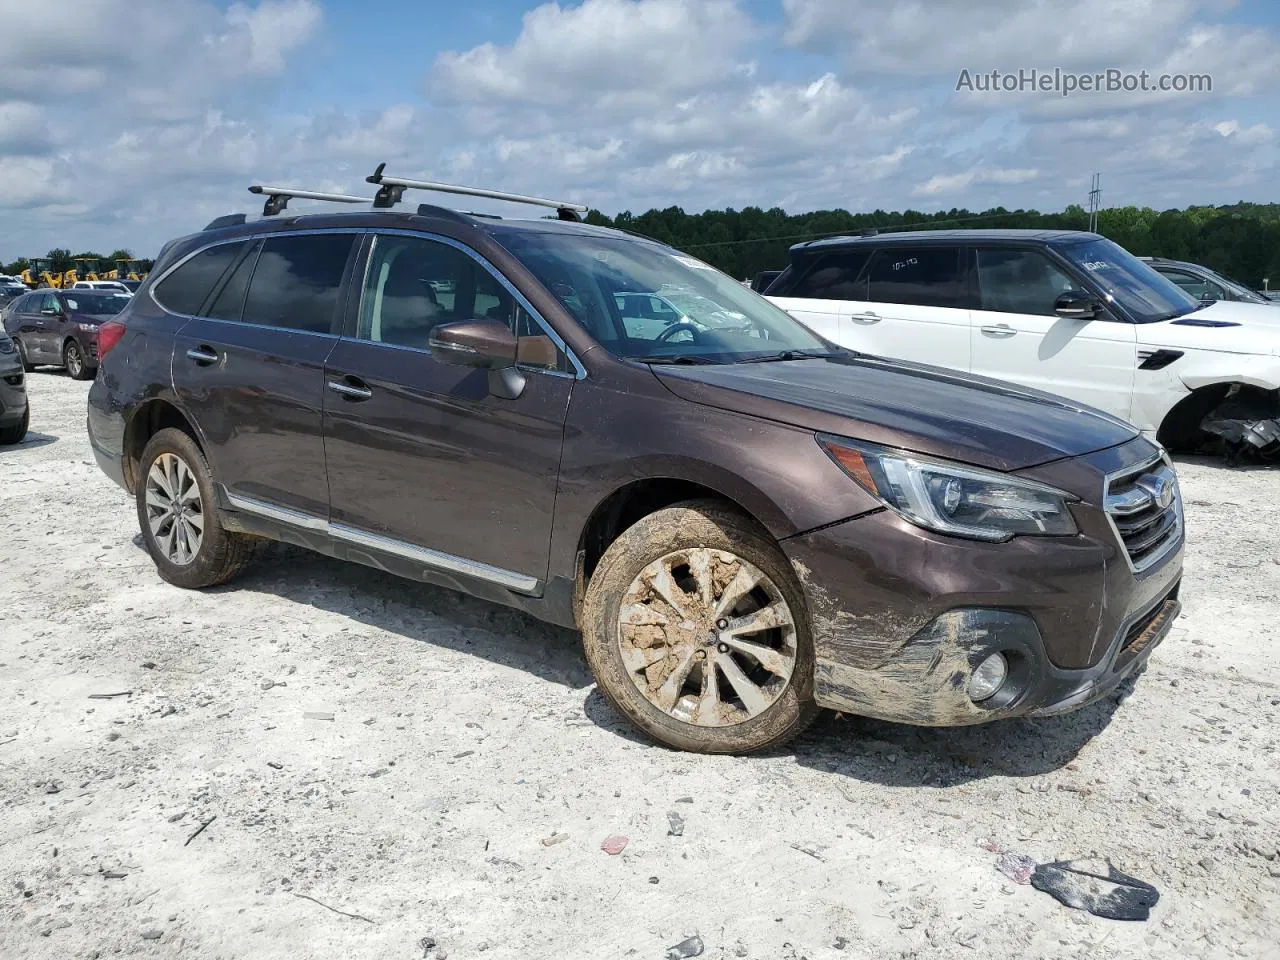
point(745, 522)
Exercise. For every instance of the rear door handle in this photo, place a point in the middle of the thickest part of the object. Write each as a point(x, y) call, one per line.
point(867, 318)
point(350, 391)
point(999, 330)
point(203, 355)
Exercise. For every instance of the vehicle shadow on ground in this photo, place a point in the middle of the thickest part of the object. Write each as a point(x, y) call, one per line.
point(898, 755)
point(419, 611)
point(34, 439)
point(873, 751)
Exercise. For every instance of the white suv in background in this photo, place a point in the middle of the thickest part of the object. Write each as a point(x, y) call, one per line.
point(1065, 312)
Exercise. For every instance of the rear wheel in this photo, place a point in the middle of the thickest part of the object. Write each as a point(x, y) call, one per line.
point(179, 517)
point(73, 359)
point(698, 633)
point(18, 432)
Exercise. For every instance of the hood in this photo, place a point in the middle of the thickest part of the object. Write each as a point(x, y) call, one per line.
point(1225, 326)
point(924, 409)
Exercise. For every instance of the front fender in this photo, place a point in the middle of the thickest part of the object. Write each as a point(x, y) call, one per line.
point(1255, 370)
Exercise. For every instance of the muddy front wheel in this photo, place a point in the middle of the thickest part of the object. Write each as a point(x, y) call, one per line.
point(697, 632)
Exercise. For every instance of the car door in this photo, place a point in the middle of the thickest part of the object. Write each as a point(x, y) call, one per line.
point(50, 328)
point(914, 306)
point(249, 364)
point(23, 324)
point(424, 461)
point(1018, 336)
point(820, 295)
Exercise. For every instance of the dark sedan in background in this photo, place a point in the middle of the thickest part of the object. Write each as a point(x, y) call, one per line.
point(60, 327)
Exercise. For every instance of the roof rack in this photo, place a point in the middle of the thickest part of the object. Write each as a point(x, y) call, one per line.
point(278, 197)
point(391, 189)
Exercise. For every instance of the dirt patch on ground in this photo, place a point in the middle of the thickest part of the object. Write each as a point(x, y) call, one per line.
point(443, 770)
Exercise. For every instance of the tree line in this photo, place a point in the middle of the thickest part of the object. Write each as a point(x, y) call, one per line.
point(1241, 241)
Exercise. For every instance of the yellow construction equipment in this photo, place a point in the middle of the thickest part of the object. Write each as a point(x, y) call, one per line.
point(86, 269)
point(37, 275)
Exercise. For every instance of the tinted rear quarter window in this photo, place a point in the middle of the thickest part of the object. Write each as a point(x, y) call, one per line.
point(187, 288)
point(920, 276)
point(228, 304)
point(833, 277)
point(297, 281)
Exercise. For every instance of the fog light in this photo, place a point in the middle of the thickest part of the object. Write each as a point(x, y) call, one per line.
point(988, 677)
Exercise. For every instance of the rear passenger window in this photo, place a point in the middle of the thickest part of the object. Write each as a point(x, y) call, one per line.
point(919, 276)
point(833, 277)
point(297, 281)
point(187, 288)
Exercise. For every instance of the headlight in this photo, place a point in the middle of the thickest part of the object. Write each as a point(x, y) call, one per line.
point(952, 499)
point(87, 327)
point(6, 345)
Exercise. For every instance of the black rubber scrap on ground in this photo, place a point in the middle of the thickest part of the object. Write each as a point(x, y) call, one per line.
point(1097, 887)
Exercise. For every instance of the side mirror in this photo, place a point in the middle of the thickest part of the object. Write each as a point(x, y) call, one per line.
point(1075, 306)
point(484, 345)
point(1208, 297)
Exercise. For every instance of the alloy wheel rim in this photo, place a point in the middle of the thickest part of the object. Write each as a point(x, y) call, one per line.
point(707, 637)
point(175, 509)
point(73, 360)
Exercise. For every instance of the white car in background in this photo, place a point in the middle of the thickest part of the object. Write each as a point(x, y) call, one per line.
point(115, 286)
point(1062, 311)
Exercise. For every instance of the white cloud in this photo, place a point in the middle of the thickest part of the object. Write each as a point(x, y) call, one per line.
point(618, 50)
point(957, 182)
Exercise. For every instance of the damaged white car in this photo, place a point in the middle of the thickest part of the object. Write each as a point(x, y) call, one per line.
point(1066, 312)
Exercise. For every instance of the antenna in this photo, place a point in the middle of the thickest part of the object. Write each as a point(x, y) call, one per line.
point(278, 197)
point(1095, 201)
point(392, 188)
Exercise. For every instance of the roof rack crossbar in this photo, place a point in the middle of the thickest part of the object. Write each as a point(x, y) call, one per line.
point(278, 197)
point(391, 188)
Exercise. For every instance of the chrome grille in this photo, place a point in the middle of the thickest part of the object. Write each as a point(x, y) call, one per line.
point(1144, 506)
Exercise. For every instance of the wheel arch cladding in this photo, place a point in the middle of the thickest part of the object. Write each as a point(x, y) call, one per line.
point(150, 418)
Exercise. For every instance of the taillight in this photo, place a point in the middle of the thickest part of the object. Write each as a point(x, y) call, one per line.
point(109, 334)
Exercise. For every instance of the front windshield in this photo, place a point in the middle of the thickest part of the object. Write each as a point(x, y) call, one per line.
point(104, 304)
point(647, 302)
point(1140, 291)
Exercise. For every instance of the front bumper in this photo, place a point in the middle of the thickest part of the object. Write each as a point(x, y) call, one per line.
point(901, 618)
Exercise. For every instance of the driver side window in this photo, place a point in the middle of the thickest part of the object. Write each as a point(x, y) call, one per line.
point(413, 285)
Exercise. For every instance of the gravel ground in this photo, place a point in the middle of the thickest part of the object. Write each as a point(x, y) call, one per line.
point(443, 772)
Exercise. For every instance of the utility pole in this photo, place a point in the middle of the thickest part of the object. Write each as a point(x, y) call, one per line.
point(1095, 201)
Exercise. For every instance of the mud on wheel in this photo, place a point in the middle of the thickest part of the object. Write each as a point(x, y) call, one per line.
point(697, 631)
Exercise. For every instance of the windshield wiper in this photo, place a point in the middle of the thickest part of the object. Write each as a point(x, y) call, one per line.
point(795, 355)
point(683, 358)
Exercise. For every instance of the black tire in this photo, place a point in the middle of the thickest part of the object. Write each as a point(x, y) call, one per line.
point(222, 554)
point(27, 365)
point(691, 525)
point(74, 360)
point(18, 432)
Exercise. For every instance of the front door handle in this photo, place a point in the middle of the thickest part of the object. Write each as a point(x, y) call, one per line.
point(866, 318)
point(350, 391)
point(999, 330)
point(203, 355)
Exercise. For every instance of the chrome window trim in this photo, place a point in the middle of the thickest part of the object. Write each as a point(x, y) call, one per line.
point(580, 371)
point(151, 287)
point(1179, 523)
point(516, 582)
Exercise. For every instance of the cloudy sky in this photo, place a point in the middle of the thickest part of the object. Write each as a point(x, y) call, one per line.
point(126, 122)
